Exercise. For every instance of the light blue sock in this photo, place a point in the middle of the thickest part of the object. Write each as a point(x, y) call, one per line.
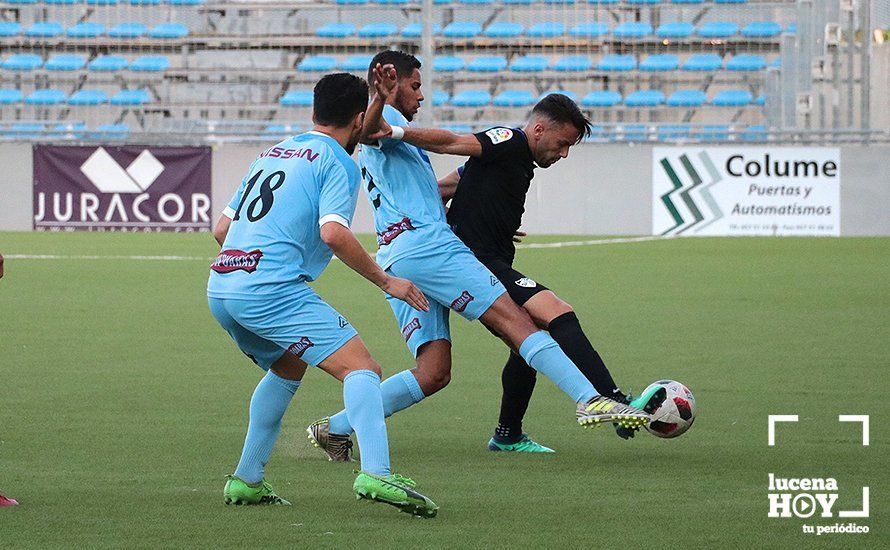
point(545, 356)
point(400, 391)
point(270, 399)
point(364, 407)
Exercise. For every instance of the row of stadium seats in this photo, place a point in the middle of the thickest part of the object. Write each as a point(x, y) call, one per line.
point(78, 130)
point(51, 29)
point(75, 62)
point(50, 96)
point(382, 2)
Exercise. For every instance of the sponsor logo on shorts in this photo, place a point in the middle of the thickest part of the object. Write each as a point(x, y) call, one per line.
point(525, 282)
point(410, 328)
point(498, 135)
point(300, 347)
point(393, 231)
point(234, 260)
point(461, 303)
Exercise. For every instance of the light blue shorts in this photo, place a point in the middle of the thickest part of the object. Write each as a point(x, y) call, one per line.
point(300, 323)
point(452, 279)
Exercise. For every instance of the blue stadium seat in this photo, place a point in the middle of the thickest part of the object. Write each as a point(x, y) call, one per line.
point(281, 130)
point(471, 98)
point(391, 2)
point(660, 62)
point(477, 2)
point(45, 97)
point(336, 30)
point(23, 62)
point(462, 29)
point(145, 2)
point(88, 97)
point(358, 63)
point(687, 1)
point(351, 2)
point(487, 64)
point(68, 130)
point(601, 98)
point(634, 132)
point(448, 63)
point(643, 2)
point(25, 130)
point(150, 63)
point(440, 97)
point(603, 2)
point(687, 98)
point(791, 28)
point(62, 2)
point(677, 29)
point(597, 133)
point(777, 63)
point(130, 97)
point(746, 62)
point(65, 62)
point(667, 132)
point(730, 1)
point(711, 132)
point(546, 30)
point(504, 29)
point(127, 30)
point(589, 30)
point(732, 98)
point(169, 31)
point(297, 98)
point(718, 29)
point(317, 63)
point(102, 2)
point(529, 64)
point(755, 132)
point(185, 2)
point(46, 29)
point(414, 30)
point(21, 1)
point(378, 30)
point(632, 29)
point(702, 62)
point(9, 28)
point(573, 63)
point(518, 2)
point(108, 63)
point(761, 29)
point(568, 93)
point(644, 98)
point(85, 30)
point(615, 62)
point(111, 131)
point(10, 96)
point(560, 2)
point(514, 98)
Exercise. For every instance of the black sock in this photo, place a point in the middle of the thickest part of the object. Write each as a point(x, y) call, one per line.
point(567, 332)
point(518, 380)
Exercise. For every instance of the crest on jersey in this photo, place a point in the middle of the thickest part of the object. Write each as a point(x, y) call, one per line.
point(498, 135)
point(525, 282)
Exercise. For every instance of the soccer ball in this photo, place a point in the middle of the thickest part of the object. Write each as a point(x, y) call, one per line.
point(676, 413)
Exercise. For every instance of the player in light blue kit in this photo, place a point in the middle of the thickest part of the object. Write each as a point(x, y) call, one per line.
point(291, 212)
point(416, 242)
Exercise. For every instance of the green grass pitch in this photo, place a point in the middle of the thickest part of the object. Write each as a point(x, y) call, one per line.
point(123, 404)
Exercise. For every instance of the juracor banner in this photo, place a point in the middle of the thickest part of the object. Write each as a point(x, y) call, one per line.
point(746, 191)
point(129, 188)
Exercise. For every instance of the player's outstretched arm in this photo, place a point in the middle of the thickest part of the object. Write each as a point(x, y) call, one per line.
point(346, 247)
point(441, 141)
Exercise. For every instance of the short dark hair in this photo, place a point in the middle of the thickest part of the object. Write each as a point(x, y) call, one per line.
point(561, 108)
point(405, 63)
point(337, 98)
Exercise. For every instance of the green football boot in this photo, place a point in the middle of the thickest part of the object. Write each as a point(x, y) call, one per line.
point(395, 490)
point(524, 445)
point(238, 492)
point(601, 409)
point(648, 402)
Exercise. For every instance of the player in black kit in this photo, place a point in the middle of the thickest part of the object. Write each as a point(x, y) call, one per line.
point(487, 198)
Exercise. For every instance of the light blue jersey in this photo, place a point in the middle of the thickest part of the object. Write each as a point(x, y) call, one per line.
point(274, 242)
point(401, 186)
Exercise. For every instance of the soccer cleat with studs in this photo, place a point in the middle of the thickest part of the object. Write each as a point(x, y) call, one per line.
point(239, 492)
point(337, 447)
point(395, 490)
point(600, 410)
point(647, 402)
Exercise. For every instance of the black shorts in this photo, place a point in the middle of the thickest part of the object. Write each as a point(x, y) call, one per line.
point(519, 287)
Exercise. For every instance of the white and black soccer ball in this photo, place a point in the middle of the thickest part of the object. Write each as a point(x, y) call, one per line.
point(676, 413)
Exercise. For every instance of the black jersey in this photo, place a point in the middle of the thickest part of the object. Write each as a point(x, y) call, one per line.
point(487, 208)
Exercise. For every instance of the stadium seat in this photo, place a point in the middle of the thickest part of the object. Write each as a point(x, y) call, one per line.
point(634, 132)
point(448, 63)
point(62, 2)
point(643, 2)
point(462, 29)
point(150, 63)
point(25, 130)
point(46, 29)
point(317, 63)
point(732, 98)
point(756, 132)
point(281, 130)
point(9, 28)
point(504, 29)
point(23, 62)
point(378, 30)
point(130, 97)
point(546, 30)
point(568, 93)
point(21, 2)
point(88, 97)
point(702, 62)
point(169, 31)
point(718, 29)
point(632, 29)
point(145, 2)
point(351, 2)
point(529, 64)
point(711, 132)
point(746, 62)
point(185, 2)
point(102, 2)
point(791, 28)
point(761, 29)
point(68, 130)
point(414, 30)
point(573, 63)
point(10, 96)
point(589, 30)
point(615, 62)
point(107, 63)
point(391, 2)
point(667, 132)
point(604, 2)
point(644, 98)
point(560, 2)
point(687, 98)
point(111, 131)
point(335, 30)
point(475, 2)
point(85, 30)
point(760, 100)
point(45, 96)
point(730, 1)
point(513, 98)
point(440, 97)
point(676, 29)
point(471, 98)
point(487, 64)
point(660, 62)
point(65, 62)
point(358, 63)
point(127, 30)
point(297, 98)
point(687, 1)
point(601, 98)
